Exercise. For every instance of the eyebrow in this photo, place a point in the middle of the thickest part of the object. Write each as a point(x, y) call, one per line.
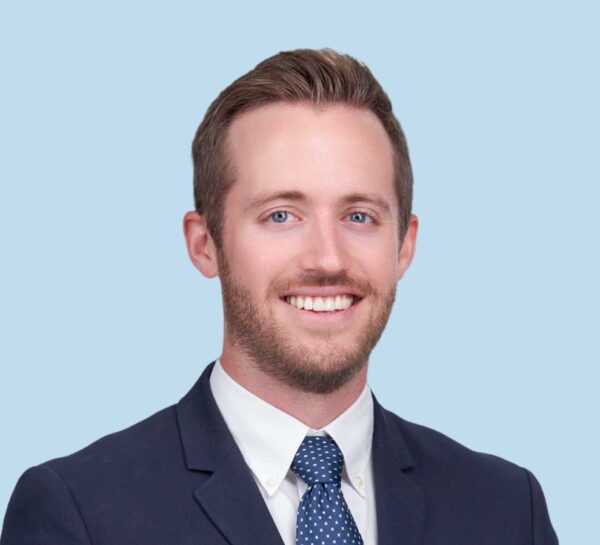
point(294, 195)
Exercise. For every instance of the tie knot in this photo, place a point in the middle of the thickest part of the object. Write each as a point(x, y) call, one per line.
point(318, 460)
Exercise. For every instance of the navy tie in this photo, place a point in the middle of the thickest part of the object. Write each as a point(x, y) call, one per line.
point(323, 515)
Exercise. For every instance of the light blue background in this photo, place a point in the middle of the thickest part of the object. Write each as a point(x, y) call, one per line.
point(493, 339)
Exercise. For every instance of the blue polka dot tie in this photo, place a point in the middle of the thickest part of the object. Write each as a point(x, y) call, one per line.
point(323, 515)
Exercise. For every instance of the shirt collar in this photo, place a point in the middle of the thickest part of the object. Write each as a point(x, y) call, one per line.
point(268, 438)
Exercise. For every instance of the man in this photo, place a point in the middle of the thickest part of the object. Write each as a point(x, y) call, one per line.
point(303, 191)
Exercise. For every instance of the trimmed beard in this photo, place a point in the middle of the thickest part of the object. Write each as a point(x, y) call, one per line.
point(292, 363)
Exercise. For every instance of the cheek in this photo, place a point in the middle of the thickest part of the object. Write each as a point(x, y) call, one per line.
point(257, 262)
point(377, 260)
point(383, 273)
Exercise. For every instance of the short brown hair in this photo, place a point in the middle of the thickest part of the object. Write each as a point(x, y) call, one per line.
point(317, 76)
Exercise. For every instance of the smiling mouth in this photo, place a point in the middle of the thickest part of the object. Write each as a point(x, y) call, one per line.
point(322, 304)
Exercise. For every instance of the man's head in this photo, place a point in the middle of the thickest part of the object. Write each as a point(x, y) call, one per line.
point(303, 193)
point(319, 77)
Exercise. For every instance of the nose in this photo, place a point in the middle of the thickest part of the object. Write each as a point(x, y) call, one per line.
point(323, 247)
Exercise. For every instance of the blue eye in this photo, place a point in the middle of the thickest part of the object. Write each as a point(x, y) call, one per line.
point(359, 217)
point(283, 216)
point(280, 216)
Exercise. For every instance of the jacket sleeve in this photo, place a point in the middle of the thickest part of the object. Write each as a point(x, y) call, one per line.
point(542, 532)
point(42, 511)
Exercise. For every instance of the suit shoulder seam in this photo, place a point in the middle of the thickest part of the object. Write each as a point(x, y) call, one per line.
point(531, 514)
point(72, 496)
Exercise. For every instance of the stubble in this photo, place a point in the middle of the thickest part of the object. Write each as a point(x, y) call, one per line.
point(282, 357)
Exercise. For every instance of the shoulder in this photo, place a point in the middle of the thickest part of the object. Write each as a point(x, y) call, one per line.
point(474, 487)
point(148, 443)
point(59, 498)
point(443, 464)
point(431, 447)
point(118, 468)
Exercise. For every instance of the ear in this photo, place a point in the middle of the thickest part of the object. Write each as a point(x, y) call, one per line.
point(200, 245)
point(407, 250)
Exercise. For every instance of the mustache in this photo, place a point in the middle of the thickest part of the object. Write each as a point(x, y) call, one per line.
point(319, 280)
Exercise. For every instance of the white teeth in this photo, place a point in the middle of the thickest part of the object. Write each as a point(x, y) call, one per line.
point(321, 304)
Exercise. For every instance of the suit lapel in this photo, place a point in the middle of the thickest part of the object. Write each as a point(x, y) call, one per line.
point(233, 502)
point(229, 497)
point(399, 501)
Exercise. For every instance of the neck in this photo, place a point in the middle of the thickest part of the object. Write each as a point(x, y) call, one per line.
point(314, 410)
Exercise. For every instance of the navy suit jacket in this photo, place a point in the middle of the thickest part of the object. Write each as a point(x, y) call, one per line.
point(178, 478)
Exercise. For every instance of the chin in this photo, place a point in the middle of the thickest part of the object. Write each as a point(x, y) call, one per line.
point(320, 372)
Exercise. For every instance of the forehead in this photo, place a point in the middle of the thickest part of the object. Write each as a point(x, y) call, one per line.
point(324, 151)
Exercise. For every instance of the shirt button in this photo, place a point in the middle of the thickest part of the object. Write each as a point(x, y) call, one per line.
point(271, 482)
point(358, 481)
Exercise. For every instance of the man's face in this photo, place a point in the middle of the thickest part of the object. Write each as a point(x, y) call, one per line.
point(310, 256)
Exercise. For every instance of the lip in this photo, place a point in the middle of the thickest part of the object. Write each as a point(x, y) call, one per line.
point(324, 319)
point(329, 291)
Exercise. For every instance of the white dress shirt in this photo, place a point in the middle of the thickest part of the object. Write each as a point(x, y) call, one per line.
point(268, 439)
